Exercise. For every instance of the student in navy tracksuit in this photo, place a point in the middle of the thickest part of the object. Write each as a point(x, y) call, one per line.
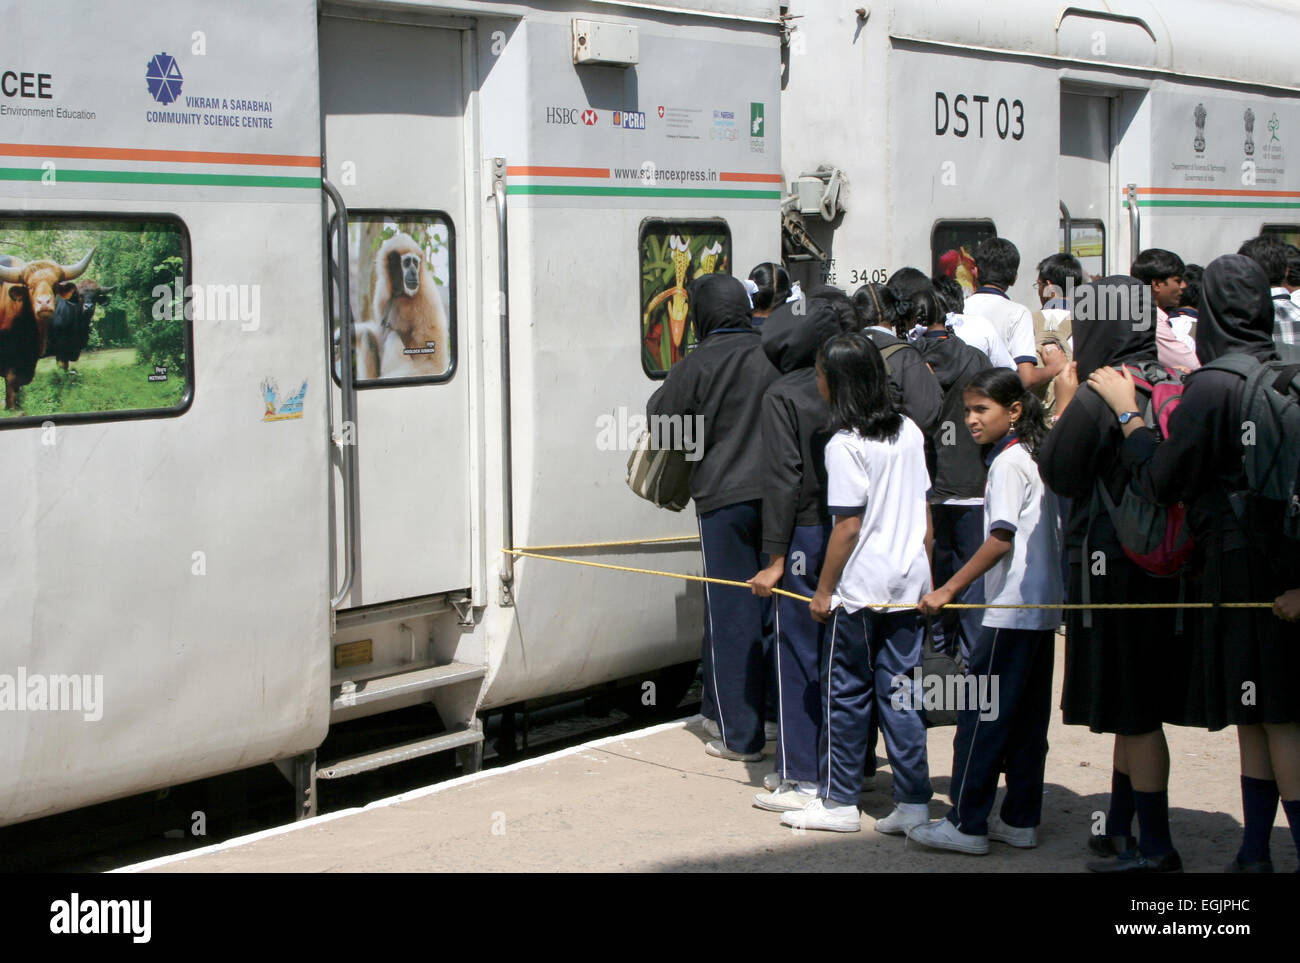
point(875, 556)
point(722, 383)
point(1005, 730)
point(956, 462)
point(796, 426)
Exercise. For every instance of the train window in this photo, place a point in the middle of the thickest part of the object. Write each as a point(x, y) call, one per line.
point(952, 248)
point(1286, 233)
point(671, 254)
point(95, 317)
point(403, 291)
point(1087, 243)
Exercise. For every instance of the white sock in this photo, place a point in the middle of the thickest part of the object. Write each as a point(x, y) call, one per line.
point(913, 808)
point(837, 810)
point(806, 788)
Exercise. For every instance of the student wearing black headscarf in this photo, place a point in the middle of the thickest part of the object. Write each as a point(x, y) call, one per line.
point(1125, 670)
point(720, 385)
point(1246, 660)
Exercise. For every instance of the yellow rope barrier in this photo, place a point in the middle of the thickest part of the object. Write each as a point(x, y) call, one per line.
point(531, 552)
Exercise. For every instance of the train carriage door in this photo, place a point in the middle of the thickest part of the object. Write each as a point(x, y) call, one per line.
point(393, 110)
point(1084, 172)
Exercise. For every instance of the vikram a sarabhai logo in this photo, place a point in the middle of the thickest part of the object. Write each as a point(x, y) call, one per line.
point(1199, 143)
point(1250, 132)
point(163, 75)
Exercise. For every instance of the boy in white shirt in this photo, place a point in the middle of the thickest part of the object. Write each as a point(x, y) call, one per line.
point(997, 262)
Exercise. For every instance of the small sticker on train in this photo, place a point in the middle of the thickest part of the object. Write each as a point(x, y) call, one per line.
point(277, 410)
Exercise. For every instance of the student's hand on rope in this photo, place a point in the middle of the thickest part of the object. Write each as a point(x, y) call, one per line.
point(1116, 389)
point(1287, 606)
point(821, 606)
point(932, 602)
point(767, 579)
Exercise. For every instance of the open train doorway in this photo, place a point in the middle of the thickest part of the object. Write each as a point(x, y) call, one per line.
point(1084, 169)
point(393, 119)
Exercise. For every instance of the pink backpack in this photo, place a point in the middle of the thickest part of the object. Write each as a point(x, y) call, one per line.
point(1153, 537)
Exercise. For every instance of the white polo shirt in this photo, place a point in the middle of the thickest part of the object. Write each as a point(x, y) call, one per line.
point(977, 333)
point(1012, 322)
point(1016, 499)
point(884, 483)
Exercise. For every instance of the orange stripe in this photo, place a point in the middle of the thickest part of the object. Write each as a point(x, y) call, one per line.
point(557, 171)
point(1211, 191)
point(139, 154)
point(765, 178)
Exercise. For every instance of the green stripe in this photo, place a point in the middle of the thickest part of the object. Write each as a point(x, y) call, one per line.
point(158, 177)
point(1142, 203)
point(583, 191)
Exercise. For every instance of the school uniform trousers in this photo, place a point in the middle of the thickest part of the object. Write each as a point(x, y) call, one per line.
point(958, 535)
point(798, 650)
point(867, 673)
point(730, 539)
point(1013, 737)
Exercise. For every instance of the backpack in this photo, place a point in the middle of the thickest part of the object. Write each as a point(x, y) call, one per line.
point(659, 475)
point(1155, 538)
point(1270, 406)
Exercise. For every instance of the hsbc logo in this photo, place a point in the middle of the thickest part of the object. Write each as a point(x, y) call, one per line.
point(570, 116)
point(589, 118)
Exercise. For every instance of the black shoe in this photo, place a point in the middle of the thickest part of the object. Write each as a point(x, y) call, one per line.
point(1106, 846)
point(1134, 862)
point(1237, 866)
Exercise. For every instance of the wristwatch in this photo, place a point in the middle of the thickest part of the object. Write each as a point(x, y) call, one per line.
point(1128, 416)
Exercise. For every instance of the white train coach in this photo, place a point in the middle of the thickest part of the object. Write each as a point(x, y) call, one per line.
point(310, 309)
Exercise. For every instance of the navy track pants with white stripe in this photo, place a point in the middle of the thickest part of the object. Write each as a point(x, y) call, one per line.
point(736, 667)
point(799, 640)
point(867, 662)
point(1015, 742)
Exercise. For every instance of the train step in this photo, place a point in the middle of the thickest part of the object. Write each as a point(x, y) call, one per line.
point(348, 694)
point(400, 753)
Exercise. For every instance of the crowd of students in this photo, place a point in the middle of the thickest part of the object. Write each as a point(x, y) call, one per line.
point(916, 444)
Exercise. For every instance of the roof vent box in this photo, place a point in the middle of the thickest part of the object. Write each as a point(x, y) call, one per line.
point(600, 42)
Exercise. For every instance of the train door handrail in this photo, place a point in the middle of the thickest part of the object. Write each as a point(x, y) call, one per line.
point(507, 467)
point(1134, 222)
point(1069, 228)
point(346, 439)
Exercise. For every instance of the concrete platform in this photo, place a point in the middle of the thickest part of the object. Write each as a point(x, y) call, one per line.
point(654, 801)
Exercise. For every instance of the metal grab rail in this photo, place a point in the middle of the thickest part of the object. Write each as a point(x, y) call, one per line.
point(347, 438)
point(507, 467)
point(1134, 222)
point(1069, 228)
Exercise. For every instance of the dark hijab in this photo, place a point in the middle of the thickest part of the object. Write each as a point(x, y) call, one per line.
point(1236, 310)
point(718, 301)
point(1114, 323)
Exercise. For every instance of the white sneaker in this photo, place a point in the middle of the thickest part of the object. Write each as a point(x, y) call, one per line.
point(719, 749)
point(904, 817)
point(942, 834)
point(790, 797)
point(816, 815)
point(711, 727)
point(1021, 837)
point(771, 731)
point(772, 781)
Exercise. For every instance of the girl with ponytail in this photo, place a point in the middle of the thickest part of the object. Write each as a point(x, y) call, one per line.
point(1012, 658)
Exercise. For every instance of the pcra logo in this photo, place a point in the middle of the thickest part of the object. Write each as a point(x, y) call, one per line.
point(629, 119)
point(589, 117)
point(163, 75)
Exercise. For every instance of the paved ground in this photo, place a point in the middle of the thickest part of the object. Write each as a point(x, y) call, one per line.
point(658, 802)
